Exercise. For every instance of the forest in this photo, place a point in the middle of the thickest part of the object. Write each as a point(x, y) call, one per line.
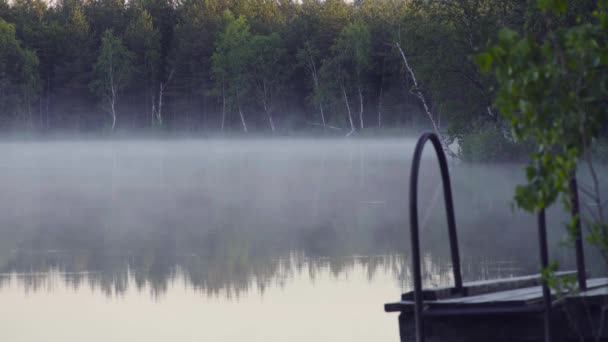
point(258, 66)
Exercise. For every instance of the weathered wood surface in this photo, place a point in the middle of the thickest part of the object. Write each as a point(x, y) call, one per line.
point(484, 286)
point(517, 297)
point(511, 314)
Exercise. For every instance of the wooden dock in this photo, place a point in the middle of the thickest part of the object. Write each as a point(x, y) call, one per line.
point(505, 310)
point(513, 309)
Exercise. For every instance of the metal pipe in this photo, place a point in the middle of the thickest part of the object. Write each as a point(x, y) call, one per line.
point(578, 236)
point(544, 262)
point(414, 231)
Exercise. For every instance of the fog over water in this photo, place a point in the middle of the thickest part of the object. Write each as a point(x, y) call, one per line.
point(222, 240)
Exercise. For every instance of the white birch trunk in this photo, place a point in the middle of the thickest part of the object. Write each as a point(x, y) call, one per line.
point(350, 116)
point(322, 116)
point(269, 116)
point(112, 105)
point(360, 107)
point(315, 77)
point(161, 91)
point(267, 103)
point(113, 114)
point(48, 100)
point(159, 111)
point(418, 93)
point(112, 93)
point(153, 113)
point(242, 119)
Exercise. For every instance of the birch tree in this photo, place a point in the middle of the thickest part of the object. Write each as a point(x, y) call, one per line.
point(336, 80)
point(354, 44)
point(231, 63)
point(143, 39)
point(269, 71)
point(309, 57)
point(113, 70)
point(351, 58)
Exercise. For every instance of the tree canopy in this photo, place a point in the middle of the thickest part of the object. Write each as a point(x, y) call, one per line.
point(267, 65)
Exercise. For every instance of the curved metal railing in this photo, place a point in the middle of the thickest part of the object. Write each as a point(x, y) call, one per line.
point(415, 240)
point(449, 206)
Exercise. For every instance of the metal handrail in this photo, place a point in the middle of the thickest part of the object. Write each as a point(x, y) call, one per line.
point(415, 241)
point(544, 263)
point(449, 205)
point(578, 236)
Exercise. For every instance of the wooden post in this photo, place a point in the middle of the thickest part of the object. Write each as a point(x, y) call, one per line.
point(544, 263)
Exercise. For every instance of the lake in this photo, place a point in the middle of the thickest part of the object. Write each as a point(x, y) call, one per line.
point(232, 240)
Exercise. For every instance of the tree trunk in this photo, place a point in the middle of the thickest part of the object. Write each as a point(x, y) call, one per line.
point(322, 116)
point(315, 77)
point(48, 99)
point(350, 116)
point(418, 93)
point(113, 114)
point(159, 111)
point(380, 108)
point(30, 120)
point(242, 119)
point(153, 113)
point(269, 116)
point(112, 100)
point(360, 107)
point(40, 119)
point(381, 93)
point(223, 108)
point(238, 102)
point(161, 91)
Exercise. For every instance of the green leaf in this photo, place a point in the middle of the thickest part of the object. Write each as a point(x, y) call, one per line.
point(556, 6)
point(484, 60)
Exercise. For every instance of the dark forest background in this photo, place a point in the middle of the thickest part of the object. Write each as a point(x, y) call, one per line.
point(266, 66)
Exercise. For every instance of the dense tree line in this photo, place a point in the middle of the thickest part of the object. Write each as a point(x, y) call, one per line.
point(249, 65)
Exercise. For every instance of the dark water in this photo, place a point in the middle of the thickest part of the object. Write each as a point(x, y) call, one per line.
point(261, 240)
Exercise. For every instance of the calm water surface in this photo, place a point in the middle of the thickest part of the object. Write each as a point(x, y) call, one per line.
point(259, 240)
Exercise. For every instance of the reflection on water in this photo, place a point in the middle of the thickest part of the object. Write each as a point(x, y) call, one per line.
point(244, 240)
point(296, 298)
point(278, 273)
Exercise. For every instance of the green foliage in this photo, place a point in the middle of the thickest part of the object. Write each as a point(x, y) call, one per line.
point(440, 37)
point(352, 49)
point(308, 57)
point(269, 68)
point(143, 39)
point(557, 6)
point(19, 79)
point(552, 91)
point(114, 66)
point(232, 57)
point(346, 70)
point(113, 71)
point(206, 47)
point(562, 285)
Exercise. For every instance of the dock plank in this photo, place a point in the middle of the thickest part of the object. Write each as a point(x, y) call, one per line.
point(485, 286)
point(518, 295)
point(513, 300)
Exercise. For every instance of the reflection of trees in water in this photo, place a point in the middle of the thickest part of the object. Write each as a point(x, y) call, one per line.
point(230, 262)
point(233, 245)
point(229, 274)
